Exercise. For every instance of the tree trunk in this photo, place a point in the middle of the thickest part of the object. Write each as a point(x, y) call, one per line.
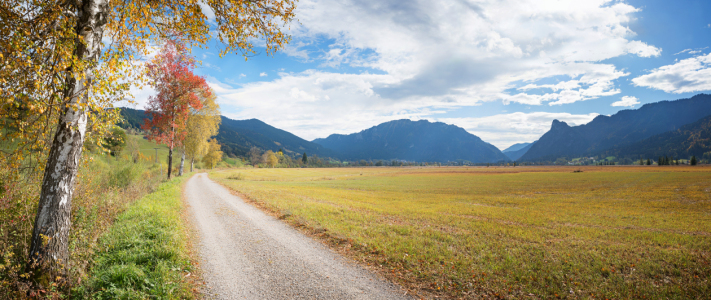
point(182, 164)
point(49, 250)
point(172, 144)
point(170, 161)
point(192, 163)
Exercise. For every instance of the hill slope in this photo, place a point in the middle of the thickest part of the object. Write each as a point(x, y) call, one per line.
point(516, 154)
point(413, 141)
point(618, 130)
point(690, 139)
point(238, 136)
point(516, 147)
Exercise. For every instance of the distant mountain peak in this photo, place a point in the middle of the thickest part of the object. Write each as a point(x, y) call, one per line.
point(419, 140)
point(559, 124)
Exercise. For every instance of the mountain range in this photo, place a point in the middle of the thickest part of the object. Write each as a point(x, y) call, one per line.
point(617, 131)
point(413, 141)
point(677, 128)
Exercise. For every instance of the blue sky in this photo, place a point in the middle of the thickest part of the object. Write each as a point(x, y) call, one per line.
point(501, 69)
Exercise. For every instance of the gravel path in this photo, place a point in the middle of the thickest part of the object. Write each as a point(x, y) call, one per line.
point(247, 254)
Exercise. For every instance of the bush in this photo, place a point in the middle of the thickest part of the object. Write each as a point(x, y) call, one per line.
point(121, 177)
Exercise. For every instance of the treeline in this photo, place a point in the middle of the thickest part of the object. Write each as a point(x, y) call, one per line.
point(665, 160)
point(259, 158)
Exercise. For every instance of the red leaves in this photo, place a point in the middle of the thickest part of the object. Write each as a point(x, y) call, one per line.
point(178, 89)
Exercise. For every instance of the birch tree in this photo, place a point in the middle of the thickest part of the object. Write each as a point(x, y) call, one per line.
point(64, 63)
point(214, 154)
point(202, 125)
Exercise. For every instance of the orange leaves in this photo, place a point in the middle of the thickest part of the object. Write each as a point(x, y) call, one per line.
point(179, 91)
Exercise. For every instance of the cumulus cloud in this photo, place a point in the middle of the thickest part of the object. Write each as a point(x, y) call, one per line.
point(627, 101)
point(685, 76)
point(477, 51)
point(330, 103)
point(263, 74)
point(505, 130)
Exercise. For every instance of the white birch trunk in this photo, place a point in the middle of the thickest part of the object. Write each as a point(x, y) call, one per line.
point(182, 164)
point(50, 246)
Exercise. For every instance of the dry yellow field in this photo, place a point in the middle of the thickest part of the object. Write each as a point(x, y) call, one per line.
point(526, 232)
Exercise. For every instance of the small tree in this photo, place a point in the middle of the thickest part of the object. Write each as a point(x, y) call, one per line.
point(649, 162)
point(255, 156)
point(305, 159)
point(270, 158)
point(202, 125)
point(693, 160)
point(213, 156)
point(115, 141)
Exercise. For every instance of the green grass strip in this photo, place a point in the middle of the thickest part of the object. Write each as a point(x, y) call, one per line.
point(143, 255)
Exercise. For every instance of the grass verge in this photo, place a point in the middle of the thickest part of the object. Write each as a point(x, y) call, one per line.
point(143, 255)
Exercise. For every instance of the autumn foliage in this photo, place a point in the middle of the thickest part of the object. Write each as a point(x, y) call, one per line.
point(178, 91)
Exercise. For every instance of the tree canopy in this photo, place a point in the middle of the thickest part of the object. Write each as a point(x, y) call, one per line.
point(63, 65)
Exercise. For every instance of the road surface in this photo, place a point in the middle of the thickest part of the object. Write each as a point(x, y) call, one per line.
point(247, 254)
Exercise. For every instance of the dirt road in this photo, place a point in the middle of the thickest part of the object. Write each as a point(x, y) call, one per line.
point(247, 254)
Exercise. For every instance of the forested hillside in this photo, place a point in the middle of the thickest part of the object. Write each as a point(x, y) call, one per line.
point(619, 130)
point(413, 141)
point(690, 139)
point(238, 136)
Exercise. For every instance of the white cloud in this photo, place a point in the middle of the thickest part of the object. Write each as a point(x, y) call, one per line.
point(643, 50)
point(627, 101)
point(263, 74)
point(505, 130)
point(692, 51)
point(330, 103)
point(315, 104)
point(685, 76)
point(242, 75)
point(208, 12)
point(476, 51)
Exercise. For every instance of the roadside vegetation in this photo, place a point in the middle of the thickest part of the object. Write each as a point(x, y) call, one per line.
point(143, 255)
point(105, 186)
point(590, 232)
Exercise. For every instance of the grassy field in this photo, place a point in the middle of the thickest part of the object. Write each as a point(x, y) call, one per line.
point(526, 232)
point(146, 148)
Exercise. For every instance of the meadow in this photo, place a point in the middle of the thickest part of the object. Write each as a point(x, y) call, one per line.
point(641, 232)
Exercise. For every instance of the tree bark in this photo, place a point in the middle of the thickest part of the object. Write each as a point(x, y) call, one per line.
point(172, 144)
point(170, 161)
point(182, 164)
point(192, 163)
point(49, 250)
